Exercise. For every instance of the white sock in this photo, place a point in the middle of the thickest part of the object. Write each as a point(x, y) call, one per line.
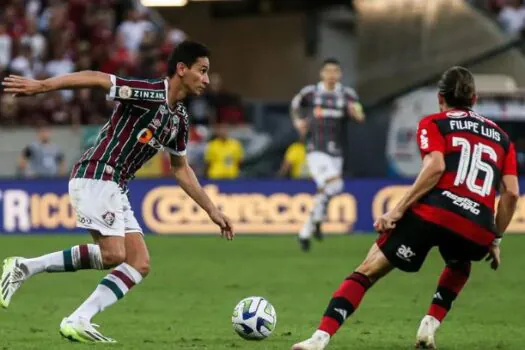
point(319, 210)
point(110, 290)
point(84, 256)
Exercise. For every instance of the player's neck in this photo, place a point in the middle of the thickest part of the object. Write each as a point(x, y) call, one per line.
point(329, 87)
point(176, 93)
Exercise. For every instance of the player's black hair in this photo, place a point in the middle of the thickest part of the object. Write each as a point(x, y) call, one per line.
point(186, 52)
point(331, 60)
point(457, 87)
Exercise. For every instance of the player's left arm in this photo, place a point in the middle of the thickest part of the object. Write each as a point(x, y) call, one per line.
point(187, 180)
point(432, 146)
point(355, 108)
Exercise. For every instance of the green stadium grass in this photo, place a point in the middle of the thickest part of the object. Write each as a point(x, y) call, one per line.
point(187, 301)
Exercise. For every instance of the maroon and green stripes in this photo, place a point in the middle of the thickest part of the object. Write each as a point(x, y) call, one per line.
point(118, 282)
point(77, 258)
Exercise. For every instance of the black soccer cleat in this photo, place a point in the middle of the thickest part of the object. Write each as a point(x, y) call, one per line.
point(304, 244)
point(318, 234)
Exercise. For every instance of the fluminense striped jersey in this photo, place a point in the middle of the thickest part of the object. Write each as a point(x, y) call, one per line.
point(141, 125)
point(325, 111)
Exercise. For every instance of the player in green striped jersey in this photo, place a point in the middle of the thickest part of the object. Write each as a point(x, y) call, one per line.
point(149, 117)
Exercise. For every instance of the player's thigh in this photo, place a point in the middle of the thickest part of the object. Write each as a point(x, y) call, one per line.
point(337, 163)
point(454, 248)
point(408, 244)
point(98, 206)
point(321, 167)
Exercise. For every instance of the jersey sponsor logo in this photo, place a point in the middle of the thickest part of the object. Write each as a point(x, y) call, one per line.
point(124, 92)
point(423, 138)
point(320, 112)
point(405, 253)
point(462, 202)
point(109, 218)
point(145, 136)
point(152, 95)
point(457, 114)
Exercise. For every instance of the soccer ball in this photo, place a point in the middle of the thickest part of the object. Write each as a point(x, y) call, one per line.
point(254, 318)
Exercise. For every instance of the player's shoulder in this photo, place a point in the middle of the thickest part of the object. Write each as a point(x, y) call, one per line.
point(427, 119)
point(350, 91)
point(308, 89)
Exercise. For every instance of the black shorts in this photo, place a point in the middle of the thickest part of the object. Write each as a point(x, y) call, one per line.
point(408, 244)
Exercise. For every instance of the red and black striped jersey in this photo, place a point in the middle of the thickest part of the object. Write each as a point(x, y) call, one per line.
point(477, 154)
point(325, 110)
point(141, 125)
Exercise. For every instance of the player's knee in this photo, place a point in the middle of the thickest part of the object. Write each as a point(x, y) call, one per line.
point(113, 257)
point(334, 187)
point(461, 266)
point(142, 266)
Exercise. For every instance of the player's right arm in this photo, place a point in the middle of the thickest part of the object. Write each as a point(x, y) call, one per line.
point(509, 192)
point(117, 88)
point(85, 79)
point(298, 102)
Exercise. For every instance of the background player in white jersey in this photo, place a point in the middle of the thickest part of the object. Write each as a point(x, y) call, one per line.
point(318, 112)
point(149, 117)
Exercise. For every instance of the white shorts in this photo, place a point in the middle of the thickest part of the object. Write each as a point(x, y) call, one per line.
point(101, 206)
point(323, 167)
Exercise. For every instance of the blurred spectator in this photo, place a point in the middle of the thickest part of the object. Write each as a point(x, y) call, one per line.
point(6, 47)
point(520, 155)
point(223, 155)
point(34, 39)
point(294, 163)
point(133, 29)
point(42, 158)
point(25, 64)
point(46, 38)
point(512, 17)
point(61, 64)
point(216, 105)
point(9, 109)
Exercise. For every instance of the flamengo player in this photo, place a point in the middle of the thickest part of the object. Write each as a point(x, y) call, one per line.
point(318, 112)
point(149, 118)
point(466, 159)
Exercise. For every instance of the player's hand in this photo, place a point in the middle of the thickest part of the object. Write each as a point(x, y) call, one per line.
point(494, 256)
point(387, 221)
point(224, 223)
point(355, 109)
point(302, 127)
point(20, 86)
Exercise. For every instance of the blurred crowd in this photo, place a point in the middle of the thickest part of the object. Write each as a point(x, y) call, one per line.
point(510, 14)
point(46, 38)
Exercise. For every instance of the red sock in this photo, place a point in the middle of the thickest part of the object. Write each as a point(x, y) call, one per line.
point(344, 302)
point(452, 280)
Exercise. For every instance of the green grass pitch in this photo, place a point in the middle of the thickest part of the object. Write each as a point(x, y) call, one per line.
point(187, 301)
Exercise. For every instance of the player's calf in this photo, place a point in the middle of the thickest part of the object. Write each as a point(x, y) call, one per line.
point(347, 298)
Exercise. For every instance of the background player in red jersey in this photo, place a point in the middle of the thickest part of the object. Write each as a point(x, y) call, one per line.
point(466, 159)
point(149, 117)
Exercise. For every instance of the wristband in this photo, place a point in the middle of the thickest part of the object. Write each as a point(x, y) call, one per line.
point(497, 242)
